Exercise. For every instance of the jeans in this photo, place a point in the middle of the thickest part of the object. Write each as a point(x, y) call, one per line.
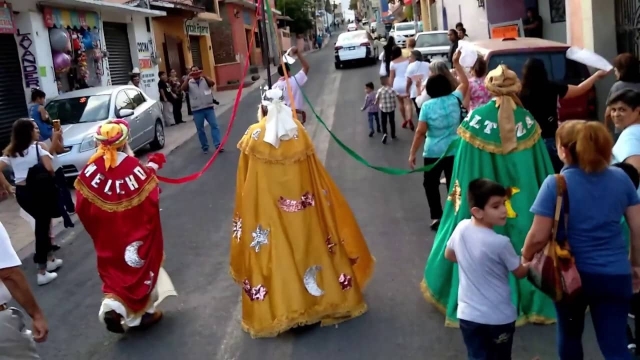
point(371, 117)
point(16, 341)
point(199, 117)
point(43, 224)
point(487, 342)
point(553, 155)
point(391, 118)
point(65, 204)
point(608, 298)
point(431, 183)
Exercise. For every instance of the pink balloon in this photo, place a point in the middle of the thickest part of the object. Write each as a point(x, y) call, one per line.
point(61, 62)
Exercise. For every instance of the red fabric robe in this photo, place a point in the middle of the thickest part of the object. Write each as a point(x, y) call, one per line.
point(120, 210)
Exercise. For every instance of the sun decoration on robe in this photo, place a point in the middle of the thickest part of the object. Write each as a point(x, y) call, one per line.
point(511, 191)
point(455, 196)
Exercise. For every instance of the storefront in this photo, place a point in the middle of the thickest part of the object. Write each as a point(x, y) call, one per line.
point(185, 41)
point(12, 102)
point(116, 39)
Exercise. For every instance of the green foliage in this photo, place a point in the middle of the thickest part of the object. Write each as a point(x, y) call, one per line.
point(327, 6)
point(408, 11)
point(298, 10)
point(353, 4)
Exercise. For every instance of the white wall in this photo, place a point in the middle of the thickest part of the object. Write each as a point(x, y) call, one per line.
point(30, 26)
point(556, 31)
point(473, 17)
point(137, 30)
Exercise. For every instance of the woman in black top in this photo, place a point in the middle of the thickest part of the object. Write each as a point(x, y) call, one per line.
point(541, 97)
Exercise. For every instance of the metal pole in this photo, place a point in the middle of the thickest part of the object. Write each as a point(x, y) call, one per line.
point(264, 41)
point(415, 16)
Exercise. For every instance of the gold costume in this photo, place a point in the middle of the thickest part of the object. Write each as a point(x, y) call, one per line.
point(296, 248)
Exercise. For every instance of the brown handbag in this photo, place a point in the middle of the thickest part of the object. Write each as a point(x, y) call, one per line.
point(553, 270)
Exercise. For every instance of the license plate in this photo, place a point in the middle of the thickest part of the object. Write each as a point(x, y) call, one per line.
point(351, 48)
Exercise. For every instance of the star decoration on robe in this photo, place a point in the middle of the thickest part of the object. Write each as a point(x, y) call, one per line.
point(260, 237)
point(330, 244)
point(237, 227)
point(455, 196)
point(511, 191)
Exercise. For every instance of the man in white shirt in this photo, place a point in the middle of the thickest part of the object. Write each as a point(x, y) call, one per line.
point(16, 342)
point(295, 82)
point(417, 75)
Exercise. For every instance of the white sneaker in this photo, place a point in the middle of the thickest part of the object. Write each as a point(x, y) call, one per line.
point(47, 277)
point(54, 265)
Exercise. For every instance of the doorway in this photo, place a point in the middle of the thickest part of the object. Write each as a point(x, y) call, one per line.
point(174, 54)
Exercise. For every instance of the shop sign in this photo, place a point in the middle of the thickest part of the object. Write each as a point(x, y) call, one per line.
point(28, 61)
point(6, 19)
point(62, 18)
point(145, 64)
point(198, 28)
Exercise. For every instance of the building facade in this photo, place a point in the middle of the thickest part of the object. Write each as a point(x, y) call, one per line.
point(65, 45)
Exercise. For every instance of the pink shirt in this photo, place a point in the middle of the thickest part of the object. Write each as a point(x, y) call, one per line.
point(478, 94)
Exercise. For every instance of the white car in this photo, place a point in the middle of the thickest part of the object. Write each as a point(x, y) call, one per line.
point(352, 27)
point(403, 31)
point(355, 46)
point(434, 45)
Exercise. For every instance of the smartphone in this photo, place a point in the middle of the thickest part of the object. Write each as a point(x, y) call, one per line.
point(56, 125)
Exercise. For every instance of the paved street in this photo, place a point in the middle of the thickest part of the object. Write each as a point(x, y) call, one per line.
point(203, 323)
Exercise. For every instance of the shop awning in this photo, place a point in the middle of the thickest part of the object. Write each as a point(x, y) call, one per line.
point(178, 5)
point(101, 6)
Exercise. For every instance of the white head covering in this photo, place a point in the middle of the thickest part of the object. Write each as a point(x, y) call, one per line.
point(279, 124)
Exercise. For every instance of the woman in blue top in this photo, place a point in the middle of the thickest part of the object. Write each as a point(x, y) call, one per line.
point(439, 119)
point(598, 197)
point(40, 115)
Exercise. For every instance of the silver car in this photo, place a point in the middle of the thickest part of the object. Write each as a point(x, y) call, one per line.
point(82, 111)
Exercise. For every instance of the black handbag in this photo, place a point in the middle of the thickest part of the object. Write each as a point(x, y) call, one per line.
point(42, 188)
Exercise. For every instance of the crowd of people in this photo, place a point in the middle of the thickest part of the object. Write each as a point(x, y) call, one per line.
point(514, 173)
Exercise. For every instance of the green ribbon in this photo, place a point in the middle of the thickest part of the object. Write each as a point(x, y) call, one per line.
point(387, 170)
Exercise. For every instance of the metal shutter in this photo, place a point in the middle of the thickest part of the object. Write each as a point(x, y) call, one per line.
point(12, 102)
point(196, 55)
point(116, 39)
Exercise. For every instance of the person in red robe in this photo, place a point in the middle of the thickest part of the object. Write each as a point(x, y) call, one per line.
point(118, 204)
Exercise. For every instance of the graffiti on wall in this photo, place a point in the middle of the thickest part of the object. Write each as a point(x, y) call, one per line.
point(28, 60)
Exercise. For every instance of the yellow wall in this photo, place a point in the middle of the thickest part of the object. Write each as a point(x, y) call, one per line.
point(174, 26)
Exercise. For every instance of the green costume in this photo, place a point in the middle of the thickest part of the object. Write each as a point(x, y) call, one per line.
point(522, 170)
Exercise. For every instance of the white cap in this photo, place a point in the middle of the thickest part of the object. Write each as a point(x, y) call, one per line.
point(135, 71)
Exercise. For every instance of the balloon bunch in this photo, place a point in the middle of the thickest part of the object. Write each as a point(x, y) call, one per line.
point(60, 44)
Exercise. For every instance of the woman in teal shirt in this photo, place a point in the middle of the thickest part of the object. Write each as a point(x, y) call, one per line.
point(439, 119)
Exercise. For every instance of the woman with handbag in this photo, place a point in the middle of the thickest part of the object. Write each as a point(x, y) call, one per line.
point(36, 190)
point(592, 266)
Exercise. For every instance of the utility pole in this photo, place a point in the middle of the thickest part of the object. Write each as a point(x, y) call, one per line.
point(415, 16)
point(264, 40)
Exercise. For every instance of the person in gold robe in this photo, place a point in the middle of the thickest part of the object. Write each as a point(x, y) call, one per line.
point(296, 249)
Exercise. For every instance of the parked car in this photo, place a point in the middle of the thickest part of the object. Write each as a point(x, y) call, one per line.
point(82, 111)
point(514, 52)
point(434, 45)
point(352, 27)
point(403, 31)
point(355, 46)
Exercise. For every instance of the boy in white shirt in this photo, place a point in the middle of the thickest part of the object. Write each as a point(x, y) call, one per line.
point(485, 258)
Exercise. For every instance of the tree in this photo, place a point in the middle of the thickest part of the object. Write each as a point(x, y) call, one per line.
point(327, 6)
point(408, 11)
point(300, 12)
point(353, 4)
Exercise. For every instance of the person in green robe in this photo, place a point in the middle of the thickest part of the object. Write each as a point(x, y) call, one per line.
point(498, 141)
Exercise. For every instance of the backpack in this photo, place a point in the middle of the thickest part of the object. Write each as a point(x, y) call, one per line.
point(42, 187)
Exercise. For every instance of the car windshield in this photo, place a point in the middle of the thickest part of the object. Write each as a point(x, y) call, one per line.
point(405, 27)
point(560, 68)
point(80, 109)
point(433, 39)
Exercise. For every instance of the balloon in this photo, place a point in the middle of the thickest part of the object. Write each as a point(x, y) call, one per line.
point(87, 41)
point(61, 62)
point(59, 39)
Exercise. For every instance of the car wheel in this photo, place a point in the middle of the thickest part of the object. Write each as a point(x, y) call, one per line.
point(158, 138)
point(337, 65)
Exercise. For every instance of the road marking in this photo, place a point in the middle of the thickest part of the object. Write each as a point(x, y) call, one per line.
point(230, 348)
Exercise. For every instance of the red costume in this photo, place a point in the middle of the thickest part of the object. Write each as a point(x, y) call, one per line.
point(118, 204)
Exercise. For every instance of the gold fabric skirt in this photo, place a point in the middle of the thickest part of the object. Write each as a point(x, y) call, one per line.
point(296, 248)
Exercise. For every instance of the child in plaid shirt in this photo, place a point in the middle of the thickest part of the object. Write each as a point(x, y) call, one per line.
point(371, 107)
point(386, 101)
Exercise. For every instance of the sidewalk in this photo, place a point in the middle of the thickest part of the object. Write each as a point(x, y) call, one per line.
point(20, 230)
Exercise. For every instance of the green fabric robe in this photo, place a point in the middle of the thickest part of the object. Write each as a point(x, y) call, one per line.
point(523, 170)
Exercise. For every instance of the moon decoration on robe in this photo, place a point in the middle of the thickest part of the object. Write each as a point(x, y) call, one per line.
point(131, 256)
point(310, 281)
